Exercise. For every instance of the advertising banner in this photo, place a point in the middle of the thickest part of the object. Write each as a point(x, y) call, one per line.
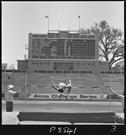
point(64, 96)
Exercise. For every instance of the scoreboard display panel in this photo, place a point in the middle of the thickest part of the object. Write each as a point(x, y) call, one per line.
point(65, 45)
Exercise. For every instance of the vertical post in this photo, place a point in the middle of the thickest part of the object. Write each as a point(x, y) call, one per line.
point(69, 26)
point(47, 17)
point(26, 75)
point(96, 41)
point(48, 23)
point(110, 94)
point(58, 19)
point(79, 23)
point(13, 75)
point(26, 82)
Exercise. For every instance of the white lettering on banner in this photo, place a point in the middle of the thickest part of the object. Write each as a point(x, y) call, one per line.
point(70, 96)
point(38, 95)
point(88, 97)
point(64, 96)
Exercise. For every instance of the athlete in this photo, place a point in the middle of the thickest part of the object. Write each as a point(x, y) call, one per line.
point(62, 86)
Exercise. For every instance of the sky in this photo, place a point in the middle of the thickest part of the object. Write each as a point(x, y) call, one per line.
point(21, 18)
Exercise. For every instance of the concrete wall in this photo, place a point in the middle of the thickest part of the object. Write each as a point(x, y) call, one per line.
point(78, 65)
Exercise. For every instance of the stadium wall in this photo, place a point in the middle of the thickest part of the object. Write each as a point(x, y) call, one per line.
point(61, 65)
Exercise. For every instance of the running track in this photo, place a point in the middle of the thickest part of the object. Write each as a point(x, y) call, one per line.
point(65, 106)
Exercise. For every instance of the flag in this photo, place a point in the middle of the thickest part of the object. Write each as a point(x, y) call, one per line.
point(46, 16)
point(78, 16)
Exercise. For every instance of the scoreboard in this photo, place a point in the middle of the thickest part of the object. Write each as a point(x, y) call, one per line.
point(63, 45)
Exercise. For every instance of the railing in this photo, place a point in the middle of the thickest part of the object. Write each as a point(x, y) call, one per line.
point(64, 36)
point(64, 57)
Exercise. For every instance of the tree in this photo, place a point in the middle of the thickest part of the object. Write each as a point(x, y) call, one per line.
point(119, 66)
point(111, 44)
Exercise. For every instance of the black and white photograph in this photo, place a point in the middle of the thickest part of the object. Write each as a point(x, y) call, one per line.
point(63, 64)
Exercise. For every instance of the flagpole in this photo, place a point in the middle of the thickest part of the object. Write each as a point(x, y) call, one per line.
point(58, 16)
point(47, 17)
point(58, 25)
point(69, 26)
point(79, 23)
point(48, 23)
